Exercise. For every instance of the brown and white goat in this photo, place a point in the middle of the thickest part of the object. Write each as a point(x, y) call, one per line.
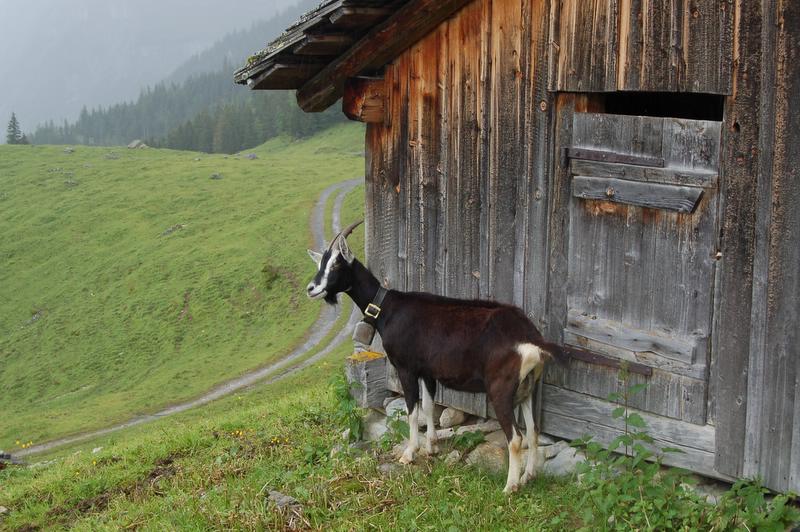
point(473, 346)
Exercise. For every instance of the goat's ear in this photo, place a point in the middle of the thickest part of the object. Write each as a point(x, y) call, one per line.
point(316, 257)
point(344, 249)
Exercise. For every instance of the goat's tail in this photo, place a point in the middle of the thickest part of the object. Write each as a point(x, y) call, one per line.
point(555, 352)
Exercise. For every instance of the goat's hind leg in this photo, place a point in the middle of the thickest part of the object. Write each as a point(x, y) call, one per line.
point(503, 402)
point(532, 435)
point(428, 392)
point(411, 391)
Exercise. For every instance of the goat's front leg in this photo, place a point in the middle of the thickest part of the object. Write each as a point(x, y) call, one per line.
point(411, 391)
point(428, 391)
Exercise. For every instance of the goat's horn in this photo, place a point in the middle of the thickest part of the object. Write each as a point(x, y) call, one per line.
point(349, 230)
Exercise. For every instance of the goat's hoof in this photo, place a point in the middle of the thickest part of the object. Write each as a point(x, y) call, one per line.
point(510, 488)
point(431, 450)
point(527, 477)
point(407, 458)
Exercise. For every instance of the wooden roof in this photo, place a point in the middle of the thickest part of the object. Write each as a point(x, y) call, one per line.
point(338, 40)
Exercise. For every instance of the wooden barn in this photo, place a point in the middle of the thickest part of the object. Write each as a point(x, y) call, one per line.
point(624, 170)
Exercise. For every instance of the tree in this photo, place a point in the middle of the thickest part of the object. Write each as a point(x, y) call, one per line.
point(13, 132)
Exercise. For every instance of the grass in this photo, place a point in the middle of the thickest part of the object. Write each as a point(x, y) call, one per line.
point(132, 280)
point(213, 468)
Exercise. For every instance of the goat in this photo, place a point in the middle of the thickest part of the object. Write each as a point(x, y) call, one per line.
point(473, 346)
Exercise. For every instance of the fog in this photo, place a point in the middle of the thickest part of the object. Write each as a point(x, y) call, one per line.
point(57, 56)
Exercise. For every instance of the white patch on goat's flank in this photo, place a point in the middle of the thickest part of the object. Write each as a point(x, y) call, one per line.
point(531, 357)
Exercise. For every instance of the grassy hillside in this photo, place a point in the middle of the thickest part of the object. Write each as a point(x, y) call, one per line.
point(131, 279)
point(212, 469)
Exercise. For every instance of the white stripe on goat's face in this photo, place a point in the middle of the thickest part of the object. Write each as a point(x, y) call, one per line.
point(326, 262)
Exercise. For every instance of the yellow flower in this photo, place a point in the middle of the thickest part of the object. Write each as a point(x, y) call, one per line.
point(17, 442)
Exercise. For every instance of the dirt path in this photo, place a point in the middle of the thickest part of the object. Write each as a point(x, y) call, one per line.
point(268, 374)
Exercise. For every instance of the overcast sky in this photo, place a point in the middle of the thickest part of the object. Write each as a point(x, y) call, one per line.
point(57, 55)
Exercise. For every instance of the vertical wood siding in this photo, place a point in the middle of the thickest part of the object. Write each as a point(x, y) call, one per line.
point(464, 147)
point(642, 45)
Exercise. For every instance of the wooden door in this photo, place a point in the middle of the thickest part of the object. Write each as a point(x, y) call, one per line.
point(641, 254)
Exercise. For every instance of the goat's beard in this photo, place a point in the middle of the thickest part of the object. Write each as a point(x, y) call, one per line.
point(331, 298)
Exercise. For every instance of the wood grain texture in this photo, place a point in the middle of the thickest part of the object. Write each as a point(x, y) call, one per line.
point(364, 100)
point(641, 45)
point(772, 440)
point(382, 44)
point(653, 196)
point(734, 281)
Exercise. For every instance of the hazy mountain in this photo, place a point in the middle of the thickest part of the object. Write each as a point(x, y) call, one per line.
point(57, 57)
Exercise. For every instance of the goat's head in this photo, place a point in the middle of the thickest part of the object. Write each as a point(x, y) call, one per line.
point(334, 274)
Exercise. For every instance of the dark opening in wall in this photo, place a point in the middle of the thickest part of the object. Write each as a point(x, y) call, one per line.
point(693, 106)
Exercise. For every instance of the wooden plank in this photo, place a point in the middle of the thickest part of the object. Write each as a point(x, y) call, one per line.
point(650, 195)
point(503, 147)
point(667, 176)
point(593, 357)
point(734, 283)
point(612, 157)
point(597, 411)
point(535, 196)
point(773, 401)
point(610, 332)
point(463, 192)
point(348, 17)
point(643, 359)
point(383, 43)
point(641, 45)
point(364, 100)
point(323, 44)
point(366, 373)
point(284, 75)
point(667, 394)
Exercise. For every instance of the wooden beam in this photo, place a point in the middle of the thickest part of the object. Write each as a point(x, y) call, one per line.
point(409, 24)
point(364, 100)
point(323, 45)
point(650, 195)
point(358, 17)
point(285, 75)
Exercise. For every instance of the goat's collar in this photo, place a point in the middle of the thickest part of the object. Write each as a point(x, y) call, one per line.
point(373, 309)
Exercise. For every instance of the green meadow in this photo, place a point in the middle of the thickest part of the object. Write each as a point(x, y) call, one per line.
point(133, 279)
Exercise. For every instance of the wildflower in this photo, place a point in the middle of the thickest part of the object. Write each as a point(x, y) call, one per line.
point(17, 442)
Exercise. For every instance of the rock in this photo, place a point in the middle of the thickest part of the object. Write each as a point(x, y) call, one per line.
point(488, 457)
point(545, 439)
point(136, 144)
point(497, 438)
point(707, 488)
point(3, 510)
point(453, 457)
point(96, 450)
point(392, 406)
point(451, 417)
point(551, 451)
point(216, 176)
point(197, 158)
point(338, 448)
point(251, 156)
point(69, 150)
point(346, 434)
point(281, 500)
point(374, 426)
point(564, 463)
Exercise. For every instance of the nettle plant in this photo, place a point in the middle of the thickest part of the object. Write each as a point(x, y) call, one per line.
point(627, 487)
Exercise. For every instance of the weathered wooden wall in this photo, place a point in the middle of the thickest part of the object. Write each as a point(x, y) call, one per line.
point(641, 45)
point(469, 194)
point(458, 172)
